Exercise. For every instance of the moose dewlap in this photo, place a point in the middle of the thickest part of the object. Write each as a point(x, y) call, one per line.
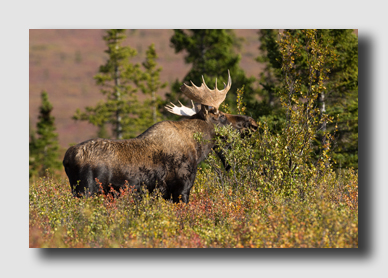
point(165, 156)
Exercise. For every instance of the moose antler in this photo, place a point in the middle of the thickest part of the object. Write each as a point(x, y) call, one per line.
point(181, 111)
point(206, 96)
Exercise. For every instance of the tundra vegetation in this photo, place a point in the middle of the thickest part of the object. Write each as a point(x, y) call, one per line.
point(281, 189)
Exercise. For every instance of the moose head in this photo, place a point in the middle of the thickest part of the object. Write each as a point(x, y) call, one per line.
point(207, 104)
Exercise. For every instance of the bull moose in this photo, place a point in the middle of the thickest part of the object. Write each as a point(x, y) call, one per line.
point(165, 156)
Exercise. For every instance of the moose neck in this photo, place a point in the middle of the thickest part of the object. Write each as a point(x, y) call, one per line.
point(197, 125)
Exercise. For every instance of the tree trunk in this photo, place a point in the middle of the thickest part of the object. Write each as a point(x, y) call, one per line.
point(322, 110)
point(270, 80)
point(119, 132)
point(202, 47)
point(154, 107)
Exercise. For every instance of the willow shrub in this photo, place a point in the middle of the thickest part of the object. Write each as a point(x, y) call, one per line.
point(282, 204)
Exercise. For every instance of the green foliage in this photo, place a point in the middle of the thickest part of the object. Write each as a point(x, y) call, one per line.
point(272, 71)
point(343, 97)
point(43, 145)
point(116, 77)
point(338, 99)
point(149, 84)
point(346, 145)
point(284, 162)
point(211, 52)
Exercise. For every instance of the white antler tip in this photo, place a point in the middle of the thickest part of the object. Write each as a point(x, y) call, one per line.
point(181, 111)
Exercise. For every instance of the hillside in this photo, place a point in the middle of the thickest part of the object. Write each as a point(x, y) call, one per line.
point(63, 62)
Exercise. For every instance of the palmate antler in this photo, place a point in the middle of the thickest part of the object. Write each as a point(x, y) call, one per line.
point(201, 95)
point(181, 111)
point(204, 95)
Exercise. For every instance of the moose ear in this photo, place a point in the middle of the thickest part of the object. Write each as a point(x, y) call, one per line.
point(202, 113)
point(205, 109)
point(197, 107)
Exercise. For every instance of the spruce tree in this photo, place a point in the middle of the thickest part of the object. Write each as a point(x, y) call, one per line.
point(269, 108)
point(149, 83)
point(342, 96)
point(44, 146)
point(116, 78)
point(211, 52)
point(270, 75)
point(33, 166)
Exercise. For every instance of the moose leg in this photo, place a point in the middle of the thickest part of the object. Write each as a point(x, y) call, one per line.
point(176, 191)
point(182, 189)
point(86, 185)
point(185, 196)
point(74, 179)
point(181, 196)
point(221, 155)
point(73, 185)
point(165, 191)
